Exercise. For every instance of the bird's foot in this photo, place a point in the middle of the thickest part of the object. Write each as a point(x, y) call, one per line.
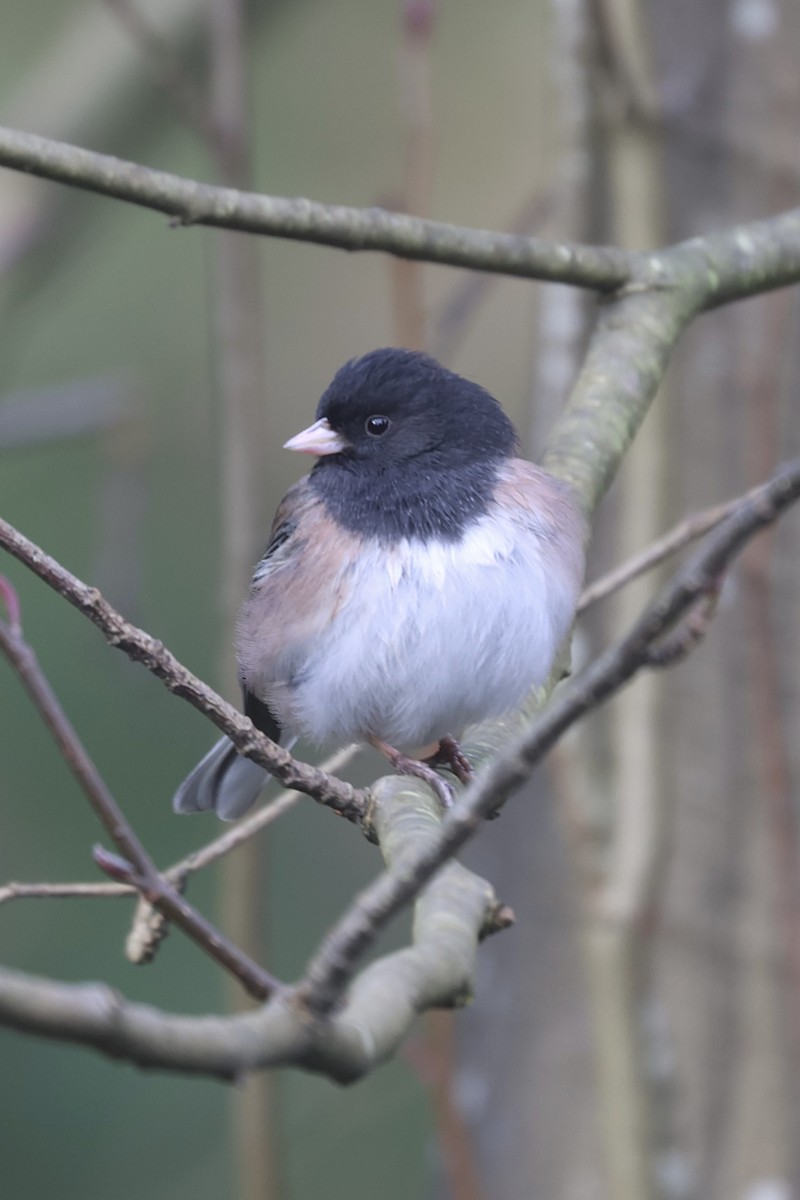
point(451, 755)
point(404, 764)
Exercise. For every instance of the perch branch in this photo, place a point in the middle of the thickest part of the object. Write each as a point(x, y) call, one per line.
point(450, 914)
point(331, 968)
point(455, 911)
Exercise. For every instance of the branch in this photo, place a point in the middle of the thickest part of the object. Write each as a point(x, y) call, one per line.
point(177, 874)
point(681, 535)
point(344, 799)
point(657, 295)
point(14, 890)
point(456, 910)
point(637, 329)
point(148, 928)
point(346, 1041)
point(189, 202)
point(136, 866)
point(714, 269)
point(331, 968)
point(625, 363)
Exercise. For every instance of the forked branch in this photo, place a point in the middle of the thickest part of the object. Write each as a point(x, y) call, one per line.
point(343, 1033)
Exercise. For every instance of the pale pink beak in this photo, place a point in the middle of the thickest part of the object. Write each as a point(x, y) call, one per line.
point(318, 439)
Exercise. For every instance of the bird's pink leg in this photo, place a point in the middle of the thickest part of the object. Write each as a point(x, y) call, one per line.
point(405, 765)
point(451, 755)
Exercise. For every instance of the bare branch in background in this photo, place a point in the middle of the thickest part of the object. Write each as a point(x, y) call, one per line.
point(576, 194)
point(678, 538)
point(62, 891)
point(168, 69)
point(418, 22)
point(238, 333)
point(193, 203)
point(714, 269)
point(762, 346)
point(451, 323)
point(135, 867)
point(179, 872)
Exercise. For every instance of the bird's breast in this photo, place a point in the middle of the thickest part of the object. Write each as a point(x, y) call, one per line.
point(429, 637)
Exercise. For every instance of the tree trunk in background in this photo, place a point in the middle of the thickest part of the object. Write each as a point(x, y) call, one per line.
point(239, 329)
point(693, 1014)
point(726, 965)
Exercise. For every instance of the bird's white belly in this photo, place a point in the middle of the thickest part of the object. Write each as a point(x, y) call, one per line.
point(433, 638)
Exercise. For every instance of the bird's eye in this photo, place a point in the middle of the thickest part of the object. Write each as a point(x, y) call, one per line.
point(377, 426)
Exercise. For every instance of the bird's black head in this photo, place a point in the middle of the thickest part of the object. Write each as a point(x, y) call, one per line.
point(408, 448)
point(392, 406)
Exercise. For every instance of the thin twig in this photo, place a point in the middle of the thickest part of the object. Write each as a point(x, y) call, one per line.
point(62, 891)
point(344, 799)
point(333, 965)
point(242, 831)
point(145, 936)
point(136, 866)
point(177, 874)
point(681, 535)
point(688, 635)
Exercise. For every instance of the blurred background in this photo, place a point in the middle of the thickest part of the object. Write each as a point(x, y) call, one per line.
point(637, 1034)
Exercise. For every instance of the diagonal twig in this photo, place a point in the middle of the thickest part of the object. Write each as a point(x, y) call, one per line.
point(197, 860)
point(136, 866)
point(344, 799)
point(683, 534)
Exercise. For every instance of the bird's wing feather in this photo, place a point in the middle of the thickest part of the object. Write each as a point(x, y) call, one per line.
point(300, 584)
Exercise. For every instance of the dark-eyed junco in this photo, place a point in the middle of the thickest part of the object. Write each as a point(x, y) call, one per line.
point(418, 581)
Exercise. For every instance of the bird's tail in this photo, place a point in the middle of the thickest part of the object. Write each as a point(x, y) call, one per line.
point(222, 781)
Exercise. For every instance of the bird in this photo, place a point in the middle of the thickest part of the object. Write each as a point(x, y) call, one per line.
point(419, 580)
